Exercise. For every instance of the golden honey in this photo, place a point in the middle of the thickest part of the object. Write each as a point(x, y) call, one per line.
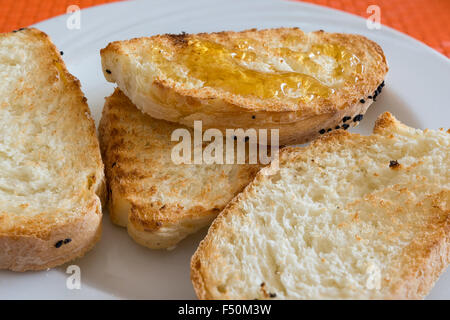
point(61, 72)
point(218, 66)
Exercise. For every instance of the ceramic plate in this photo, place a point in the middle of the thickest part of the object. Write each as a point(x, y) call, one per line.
point(417, 92)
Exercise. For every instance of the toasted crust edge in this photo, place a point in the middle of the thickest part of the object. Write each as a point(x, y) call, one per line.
point(303, 125)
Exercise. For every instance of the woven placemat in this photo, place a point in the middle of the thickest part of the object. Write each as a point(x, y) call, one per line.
point(425, 20)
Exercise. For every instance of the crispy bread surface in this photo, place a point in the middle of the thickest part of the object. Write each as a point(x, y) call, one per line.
point(51, 172)
point(347, 217)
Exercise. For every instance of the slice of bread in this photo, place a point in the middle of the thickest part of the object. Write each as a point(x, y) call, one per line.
point(159, 202)
point(303, 84)
point(348, 217)
point(51, 173)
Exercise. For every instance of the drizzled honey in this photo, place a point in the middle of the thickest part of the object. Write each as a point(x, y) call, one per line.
point(231, 69)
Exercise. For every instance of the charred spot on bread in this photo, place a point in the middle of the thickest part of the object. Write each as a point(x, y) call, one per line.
point(59, 243)
point(393, 164)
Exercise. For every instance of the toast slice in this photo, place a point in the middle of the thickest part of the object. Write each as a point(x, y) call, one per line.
point(51, 173)
point(303, 84)
point(159, 202)
point(348, 217)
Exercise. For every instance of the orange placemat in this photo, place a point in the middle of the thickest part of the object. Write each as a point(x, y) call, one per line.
point(425, 20)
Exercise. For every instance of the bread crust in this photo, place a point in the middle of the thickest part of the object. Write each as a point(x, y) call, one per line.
point(33, 252)
point(137, 153)
point(422, 262)
point(40, 240)
point(298, 122)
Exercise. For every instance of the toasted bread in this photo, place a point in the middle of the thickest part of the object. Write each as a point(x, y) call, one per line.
point(303, 84)
point(51, 173)
point(159, 202)
point(347, 217)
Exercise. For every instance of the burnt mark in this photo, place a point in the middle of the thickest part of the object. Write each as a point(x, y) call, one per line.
point(178, 39)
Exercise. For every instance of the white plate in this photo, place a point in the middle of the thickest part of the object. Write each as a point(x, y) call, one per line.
point(417, 92)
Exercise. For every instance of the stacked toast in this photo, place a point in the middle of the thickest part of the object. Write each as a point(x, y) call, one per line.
point(301, 84)
point(345, 217)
